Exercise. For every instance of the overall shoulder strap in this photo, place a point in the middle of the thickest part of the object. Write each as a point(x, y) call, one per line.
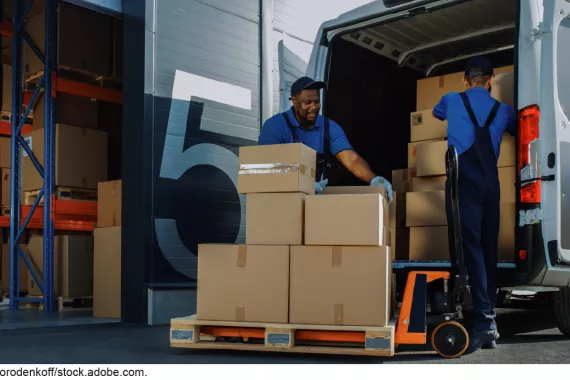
point(327, 138)
point(493, 114)
point(469, 109)
point(291, 127)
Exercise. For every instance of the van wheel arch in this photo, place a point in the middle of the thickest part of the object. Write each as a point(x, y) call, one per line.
point(561, 306)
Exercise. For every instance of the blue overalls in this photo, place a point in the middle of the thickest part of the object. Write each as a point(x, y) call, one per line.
point(479, 207)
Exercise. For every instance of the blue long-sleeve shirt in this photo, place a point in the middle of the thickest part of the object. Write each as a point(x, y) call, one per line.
point(460, 128)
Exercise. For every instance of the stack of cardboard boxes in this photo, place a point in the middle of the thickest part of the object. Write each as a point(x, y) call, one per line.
point(308, 259)
point(107, 256)
point(420, 189)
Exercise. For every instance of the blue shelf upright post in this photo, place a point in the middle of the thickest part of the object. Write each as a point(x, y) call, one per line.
point(46, 83)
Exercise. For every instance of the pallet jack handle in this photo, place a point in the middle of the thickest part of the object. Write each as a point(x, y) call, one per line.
point(461, 284)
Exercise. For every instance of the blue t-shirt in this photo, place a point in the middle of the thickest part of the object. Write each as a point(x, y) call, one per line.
point(276, 131)
point(460, 128)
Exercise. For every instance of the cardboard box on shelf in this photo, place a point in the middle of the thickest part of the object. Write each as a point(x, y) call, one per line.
point(429, 244)
point(275, 219)
point(429, 183)
point(243, 283)
point(426, 127)
point(402, 243)
point(345, 219)
point(5, 152)
point(73, 265)
point(507, 232)
point(5, 183)
point(73, 110)
point(75, 26)
point(5, 279)
point(503, 88)
point(425, 208)
point(401, 179)
point(507, 180)
point(397, 210)
point(430, 90)
point(109, 203)
point(107, 272)
point(507, 156)
point(7, 88)
point(341, 285)
point(431, 158)
point(282, 168)
point(80, 158)
point(414, 149)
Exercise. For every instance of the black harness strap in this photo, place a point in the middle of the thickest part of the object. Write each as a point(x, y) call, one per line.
point(492, 114)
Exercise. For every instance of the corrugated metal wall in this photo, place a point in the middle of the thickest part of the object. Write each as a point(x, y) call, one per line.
point(206, 82)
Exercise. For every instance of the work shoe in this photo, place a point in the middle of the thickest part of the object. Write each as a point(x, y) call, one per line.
point(480, 338)
point(493, 344)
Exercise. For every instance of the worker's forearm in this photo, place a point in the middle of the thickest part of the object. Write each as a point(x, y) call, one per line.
point(360, 168)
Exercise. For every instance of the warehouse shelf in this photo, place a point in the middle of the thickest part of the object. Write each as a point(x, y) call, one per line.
point(6, 128)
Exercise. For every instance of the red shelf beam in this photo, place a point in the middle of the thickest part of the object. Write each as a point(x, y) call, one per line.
point(6, 128)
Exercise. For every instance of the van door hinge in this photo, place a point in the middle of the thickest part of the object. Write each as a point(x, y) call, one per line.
point(537, 33)
point(529, 217)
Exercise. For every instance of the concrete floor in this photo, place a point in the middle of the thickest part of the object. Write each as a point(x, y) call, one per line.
point(527, 337)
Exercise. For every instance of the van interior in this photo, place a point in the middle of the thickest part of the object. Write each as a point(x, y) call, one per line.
point(373, 73)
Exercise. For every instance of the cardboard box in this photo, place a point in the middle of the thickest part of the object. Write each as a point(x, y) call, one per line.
point(5, 279)
point(429, 243)
point(402, 243)
point(282, 168)
point(341, 285)
point(109, 203)
point(413, 151)
point(5, 190)
point(429, 183)
point(431, 158)
point(430, 90)
point(331, 190)
point(425, 208)
point(507, 155)
point(75, 26)
point(503, 88)
point(243, 283)
point(507, 180)
point(5, 152)
point(73, 110)
point(107, 272)
point(80, 158)
point(401, 179)
point(275, 219)
point(397, 210)
point(507, 232)
point(345, 219)
point(73, 265)
point(426, 127)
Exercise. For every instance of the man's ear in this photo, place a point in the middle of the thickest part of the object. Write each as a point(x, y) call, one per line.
point(490, 82)
point(465, 82)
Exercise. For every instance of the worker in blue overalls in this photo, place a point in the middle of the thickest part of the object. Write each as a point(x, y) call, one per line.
point(476, 124)
point(303, 123)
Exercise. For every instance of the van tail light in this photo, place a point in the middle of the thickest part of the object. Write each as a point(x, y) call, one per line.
point(529, 154)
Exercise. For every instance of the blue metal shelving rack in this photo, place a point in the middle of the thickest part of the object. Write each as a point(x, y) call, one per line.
point(47, 84)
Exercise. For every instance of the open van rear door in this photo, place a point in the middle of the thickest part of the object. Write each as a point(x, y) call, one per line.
point(554, 191)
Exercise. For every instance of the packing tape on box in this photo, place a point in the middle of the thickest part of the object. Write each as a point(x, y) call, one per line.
point(338, 311)
point(336, 257)
point(240, 313)
point(280, 168)
point(241, 256)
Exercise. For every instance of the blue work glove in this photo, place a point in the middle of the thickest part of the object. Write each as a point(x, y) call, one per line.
point(319, 186)
point(381, 181)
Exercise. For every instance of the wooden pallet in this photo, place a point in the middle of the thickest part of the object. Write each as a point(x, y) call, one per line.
point(63, 193)
point(5, 211)
point(78, 75)
point(188, 332)
point(62, 303)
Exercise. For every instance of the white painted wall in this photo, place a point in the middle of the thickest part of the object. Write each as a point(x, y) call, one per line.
point(296, 23)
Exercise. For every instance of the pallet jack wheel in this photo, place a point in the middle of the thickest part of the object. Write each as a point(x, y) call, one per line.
point(450, 340)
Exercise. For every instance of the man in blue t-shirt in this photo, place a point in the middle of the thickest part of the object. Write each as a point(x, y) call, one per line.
point(475, 126)
point(302, 123)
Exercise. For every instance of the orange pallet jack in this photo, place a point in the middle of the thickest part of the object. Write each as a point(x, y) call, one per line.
point(448, 337)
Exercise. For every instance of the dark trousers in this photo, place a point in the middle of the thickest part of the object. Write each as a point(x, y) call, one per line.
point(479, 211)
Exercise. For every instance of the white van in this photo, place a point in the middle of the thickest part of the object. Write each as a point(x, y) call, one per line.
point(372, 58)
